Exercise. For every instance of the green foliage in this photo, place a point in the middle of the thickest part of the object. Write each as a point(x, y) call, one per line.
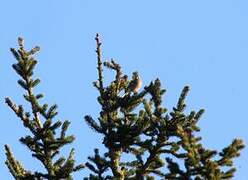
point(160, 143)
point(43, 142)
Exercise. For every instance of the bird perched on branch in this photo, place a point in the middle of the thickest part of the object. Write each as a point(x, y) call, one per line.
point(135, 84)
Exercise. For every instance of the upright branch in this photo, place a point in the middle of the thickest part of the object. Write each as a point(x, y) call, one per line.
point(44, 143)
point(99, 63)
point(27, 82)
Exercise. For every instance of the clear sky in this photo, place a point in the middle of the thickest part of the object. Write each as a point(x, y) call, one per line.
point(203, 44)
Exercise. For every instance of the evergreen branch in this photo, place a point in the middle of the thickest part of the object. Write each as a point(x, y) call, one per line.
point(199, 114)
point(90, 121)
point(78, 167)
point(181, 105)
point(52, 112)
point(15, 166)
point(19, 112)
point(116, 67)
point(64, 129)
point(153, 154)
point(179, 156)
point(101, 165)
point(119, 81)
point(232, 151)
point(24, 68)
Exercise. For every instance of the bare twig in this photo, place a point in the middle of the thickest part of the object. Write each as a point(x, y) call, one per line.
point(99, 63)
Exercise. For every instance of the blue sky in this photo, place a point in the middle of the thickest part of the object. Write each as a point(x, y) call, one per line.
point(203, 44)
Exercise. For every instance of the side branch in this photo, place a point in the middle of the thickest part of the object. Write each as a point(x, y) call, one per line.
point(19, 111)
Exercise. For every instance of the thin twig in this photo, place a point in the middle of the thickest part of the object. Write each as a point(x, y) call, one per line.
point(99, 63)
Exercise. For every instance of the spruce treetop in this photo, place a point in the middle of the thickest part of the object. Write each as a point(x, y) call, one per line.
point(44, 142)
point(162, 144)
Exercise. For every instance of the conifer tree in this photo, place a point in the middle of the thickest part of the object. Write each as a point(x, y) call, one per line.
point(44, 140)
point(142, 139)
point(163, 144)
